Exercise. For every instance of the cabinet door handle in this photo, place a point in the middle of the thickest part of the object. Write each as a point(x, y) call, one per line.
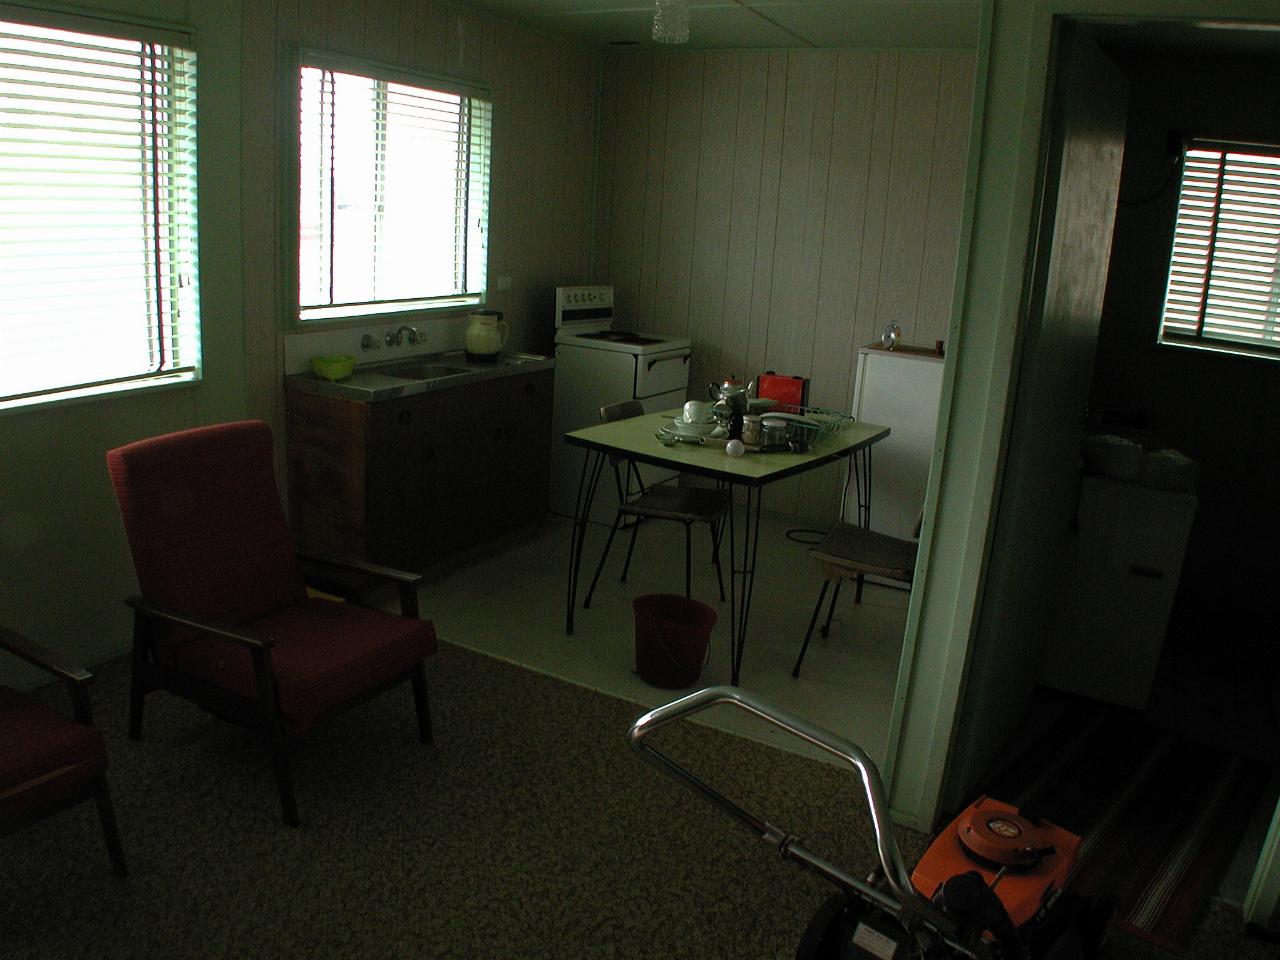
point(530, 388)
point(1150, 573)
point(428, 454)
point(405, 416)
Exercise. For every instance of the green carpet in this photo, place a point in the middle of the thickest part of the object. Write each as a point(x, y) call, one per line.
point(529, 830)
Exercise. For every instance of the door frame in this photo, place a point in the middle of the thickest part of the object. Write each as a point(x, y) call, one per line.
point(999, 228)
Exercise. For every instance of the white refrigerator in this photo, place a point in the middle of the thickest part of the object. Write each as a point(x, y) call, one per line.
point(899, 389)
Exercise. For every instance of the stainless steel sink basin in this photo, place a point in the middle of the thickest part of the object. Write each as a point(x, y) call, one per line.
point(418, 370)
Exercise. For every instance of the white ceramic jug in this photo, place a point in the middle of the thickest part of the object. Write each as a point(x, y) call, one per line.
point(486, 334)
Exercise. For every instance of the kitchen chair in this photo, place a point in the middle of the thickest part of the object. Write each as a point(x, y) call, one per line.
point(850, 552)
point(687, 505)
point(50, 762)
point(224, 617)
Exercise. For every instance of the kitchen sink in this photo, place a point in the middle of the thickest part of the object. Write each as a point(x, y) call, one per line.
point(418, 370)
point(375, 382)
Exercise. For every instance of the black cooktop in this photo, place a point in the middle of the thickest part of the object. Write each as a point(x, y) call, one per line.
point(620, 336)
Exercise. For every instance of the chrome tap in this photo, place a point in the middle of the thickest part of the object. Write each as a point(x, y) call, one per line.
point(397, 338)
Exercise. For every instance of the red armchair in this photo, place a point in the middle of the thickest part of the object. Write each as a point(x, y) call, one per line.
point(49, 762)
point(225, 618)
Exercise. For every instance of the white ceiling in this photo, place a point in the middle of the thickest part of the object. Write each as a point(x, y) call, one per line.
point(745, 24)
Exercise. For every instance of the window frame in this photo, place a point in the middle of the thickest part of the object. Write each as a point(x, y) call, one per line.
point(147, 31)
point(1268, 349)
point(291, 199)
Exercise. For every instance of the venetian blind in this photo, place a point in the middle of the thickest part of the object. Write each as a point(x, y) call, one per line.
point(98, 247)
point(393, 195)
point(1224, 274)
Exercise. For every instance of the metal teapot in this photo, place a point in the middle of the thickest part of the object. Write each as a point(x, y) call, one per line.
point(731, 404)
point(730, 396)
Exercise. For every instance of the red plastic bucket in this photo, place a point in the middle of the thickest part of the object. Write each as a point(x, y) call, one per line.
point(672, 638)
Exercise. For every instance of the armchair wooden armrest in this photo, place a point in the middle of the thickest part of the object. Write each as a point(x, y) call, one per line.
point(238, 634)
point(361, 566)
point(353, 580)
point(39, 656)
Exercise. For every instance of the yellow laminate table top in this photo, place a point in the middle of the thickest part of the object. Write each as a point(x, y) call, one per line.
point(636, 439)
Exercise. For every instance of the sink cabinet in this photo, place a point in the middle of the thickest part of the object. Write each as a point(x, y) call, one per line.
point(410, 480)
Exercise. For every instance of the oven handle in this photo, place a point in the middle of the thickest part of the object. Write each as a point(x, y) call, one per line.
point(683, 358)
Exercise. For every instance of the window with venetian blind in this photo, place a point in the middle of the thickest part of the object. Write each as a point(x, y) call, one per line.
point(393, 191)
point(1224, 276)
point(98, 246)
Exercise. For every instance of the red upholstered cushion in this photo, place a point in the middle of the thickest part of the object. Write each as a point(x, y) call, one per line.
point(45, 756)
point(202, 513)
point(326, 653)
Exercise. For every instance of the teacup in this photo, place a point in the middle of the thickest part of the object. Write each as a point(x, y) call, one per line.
point(697, 411)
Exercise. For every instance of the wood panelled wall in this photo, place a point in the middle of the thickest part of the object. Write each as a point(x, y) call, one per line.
point(779, 208)
point(546, 96)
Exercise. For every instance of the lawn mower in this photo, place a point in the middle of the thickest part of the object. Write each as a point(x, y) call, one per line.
point(989, 887)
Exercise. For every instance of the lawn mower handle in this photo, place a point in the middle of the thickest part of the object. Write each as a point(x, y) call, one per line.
point(902, 900)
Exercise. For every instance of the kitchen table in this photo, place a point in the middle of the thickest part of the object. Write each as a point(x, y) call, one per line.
point(634, 439)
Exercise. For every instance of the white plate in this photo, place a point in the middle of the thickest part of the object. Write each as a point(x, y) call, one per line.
point(687, 429)
point(669, 434)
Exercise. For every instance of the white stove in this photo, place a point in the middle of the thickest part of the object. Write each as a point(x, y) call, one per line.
point(585, 318)
point(598, 363)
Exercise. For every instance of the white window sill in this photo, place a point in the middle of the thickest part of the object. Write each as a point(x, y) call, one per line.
point(99, 391)
point(375, 312)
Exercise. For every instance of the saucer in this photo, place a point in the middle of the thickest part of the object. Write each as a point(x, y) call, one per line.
point(689, 429)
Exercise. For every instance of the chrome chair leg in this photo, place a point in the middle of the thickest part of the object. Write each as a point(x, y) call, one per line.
point(831, 611)
point(635, 528)
point(715, 558)
point(604, 555)
point(808, 634)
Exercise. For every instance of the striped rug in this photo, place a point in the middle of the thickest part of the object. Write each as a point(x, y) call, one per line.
point(1159, 816)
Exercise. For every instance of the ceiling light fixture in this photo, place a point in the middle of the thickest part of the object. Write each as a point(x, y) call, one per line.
point(671, 21)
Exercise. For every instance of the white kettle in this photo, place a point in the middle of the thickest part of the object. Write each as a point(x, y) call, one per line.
point(486, 334)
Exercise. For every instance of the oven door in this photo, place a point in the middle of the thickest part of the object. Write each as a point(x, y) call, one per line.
point(659, 373)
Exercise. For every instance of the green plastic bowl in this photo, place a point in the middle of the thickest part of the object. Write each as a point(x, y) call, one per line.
point(334, 366)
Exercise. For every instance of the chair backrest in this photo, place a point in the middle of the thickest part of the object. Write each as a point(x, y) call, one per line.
point(622, 410)
point(205, 524)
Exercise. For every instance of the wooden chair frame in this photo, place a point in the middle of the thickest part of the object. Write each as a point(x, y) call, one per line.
point(348, 579)
point(77, 681)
